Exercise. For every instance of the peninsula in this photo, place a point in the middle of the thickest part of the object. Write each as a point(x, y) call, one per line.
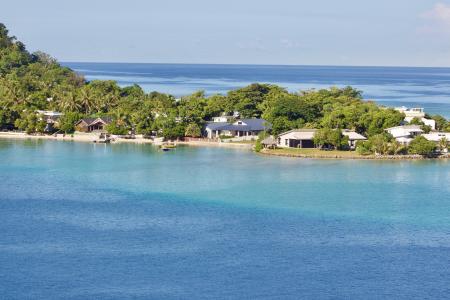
point(40, 98)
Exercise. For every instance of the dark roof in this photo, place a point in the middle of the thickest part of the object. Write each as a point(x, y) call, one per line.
point(250, 125)
point(90, 121)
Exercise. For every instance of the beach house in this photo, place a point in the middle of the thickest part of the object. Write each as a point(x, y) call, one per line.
point(243, 129)
point(406, 133)
point(416, 113)
point(93, 124)
point(304, 138)
point(50, 117)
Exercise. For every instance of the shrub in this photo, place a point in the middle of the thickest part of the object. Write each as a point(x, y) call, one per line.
point(193, 130)
point(422, 146)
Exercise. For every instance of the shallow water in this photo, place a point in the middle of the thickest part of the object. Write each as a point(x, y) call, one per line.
point(392, 86)
point(80, 220)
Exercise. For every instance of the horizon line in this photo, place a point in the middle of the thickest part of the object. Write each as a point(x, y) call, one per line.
point(256, 64)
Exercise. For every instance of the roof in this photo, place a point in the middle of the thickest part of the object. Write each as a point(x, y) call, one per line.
point(308, 134)
point(301, 134)
point(406, 127)
point(269, 141)
point(437, 136)
point(352, 135)
point(90, 121)
point(248, 125)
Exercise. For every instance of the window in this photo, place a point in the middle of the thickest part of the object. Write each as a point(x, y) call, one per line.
point(286, 142)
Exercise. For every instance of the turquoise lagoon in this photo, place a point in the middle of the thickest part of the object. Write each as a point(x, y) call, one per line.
point(81, 221)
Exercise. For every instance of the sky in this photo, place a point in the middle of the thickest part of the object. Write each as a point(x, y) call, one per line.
point(291, 32)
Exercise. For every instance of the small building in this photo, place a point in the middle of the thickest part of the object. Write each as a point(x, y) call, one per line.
point(93, 124)
point(416, 112)
point(437, 136)
point(51, 119)
point(297, 138)
point(406, 133)
point(353, 138)
point(269, 142)
point(304, 138)
point(241, 128)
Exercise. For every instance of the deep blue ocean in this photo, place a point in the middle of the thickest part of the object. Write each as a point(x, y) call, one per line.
point(125, 221)
point(391, 86)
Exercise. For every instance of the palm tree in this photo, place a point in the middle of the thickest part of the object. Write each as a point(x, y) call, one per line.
point(87, 99)
point(70, 101)
point(443, 144)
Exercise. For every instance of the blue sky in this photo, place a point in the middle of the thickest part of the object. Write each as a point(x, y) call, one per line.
point(320, 32)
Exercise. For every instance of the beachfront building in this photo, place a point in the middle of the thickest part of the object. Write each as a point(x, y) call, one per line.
point(304, 138)
point(50, 117)
point(93, 124)
point(245, 129)
point(353, 138)
point(269, 142)
point(438, 138)
point(406, 133)
point(296, 138)
point(416, 113)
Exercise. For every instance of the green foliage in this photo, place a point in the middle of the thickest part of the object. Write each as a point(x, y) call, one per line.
point(443, 144)
point(327, 137)
point(258, 146)
point(193, 130)
point(31, 123)
point(68, 120)
point(117, 127)
point(29, 82)
point(382, 144)
point(441, 123)
point(416, 121)
point(422, 146)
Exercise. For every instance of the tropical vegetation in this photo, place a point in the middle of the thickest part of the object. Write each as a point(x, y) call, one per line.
point(35, 81)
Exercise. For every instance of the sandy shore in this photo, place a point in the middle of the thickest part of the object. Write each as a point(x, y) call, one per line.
point(90, 138)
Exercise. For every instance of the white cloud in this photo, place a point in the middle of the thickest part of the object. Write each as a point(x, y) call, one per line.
point(440, 13)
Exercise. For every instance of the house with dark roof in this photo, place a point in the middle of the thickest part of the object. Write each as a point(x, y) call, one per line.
point(249, 128)
point(93, 124)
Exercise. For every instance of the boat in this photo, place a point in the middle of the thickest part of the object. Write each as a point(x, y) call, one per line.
point(103, 139)
point(167, 147)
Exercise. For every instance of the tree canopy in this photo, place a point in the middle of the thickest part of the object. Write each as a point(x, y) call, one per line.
point(36, 81)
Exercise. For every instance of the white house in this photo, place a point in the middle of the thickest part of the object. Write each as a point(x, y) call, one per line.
point(304, 138)
point(50, 117)
point(353, 138)
point(223, 119)
point(296, 138)
point(245, 128)
point(406, 133)
point(419, 113)
point(437, 137)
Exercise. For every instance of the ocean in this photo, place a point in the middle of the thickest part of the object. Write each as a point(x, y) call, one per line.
point(428, 88)
point(128, 221)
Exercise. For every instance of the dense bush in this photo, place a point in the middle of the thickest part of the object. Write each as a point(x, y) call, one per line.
point(29, 82)
point(422, 146)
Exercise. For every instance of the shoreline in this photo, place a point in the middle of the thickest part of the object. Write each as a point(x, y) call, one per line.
point(90, 138)
point(352, 156)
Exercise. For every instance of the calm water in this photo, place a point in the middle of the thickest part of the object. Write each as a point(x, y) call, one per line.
point(392, 86)
point(84, 221)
